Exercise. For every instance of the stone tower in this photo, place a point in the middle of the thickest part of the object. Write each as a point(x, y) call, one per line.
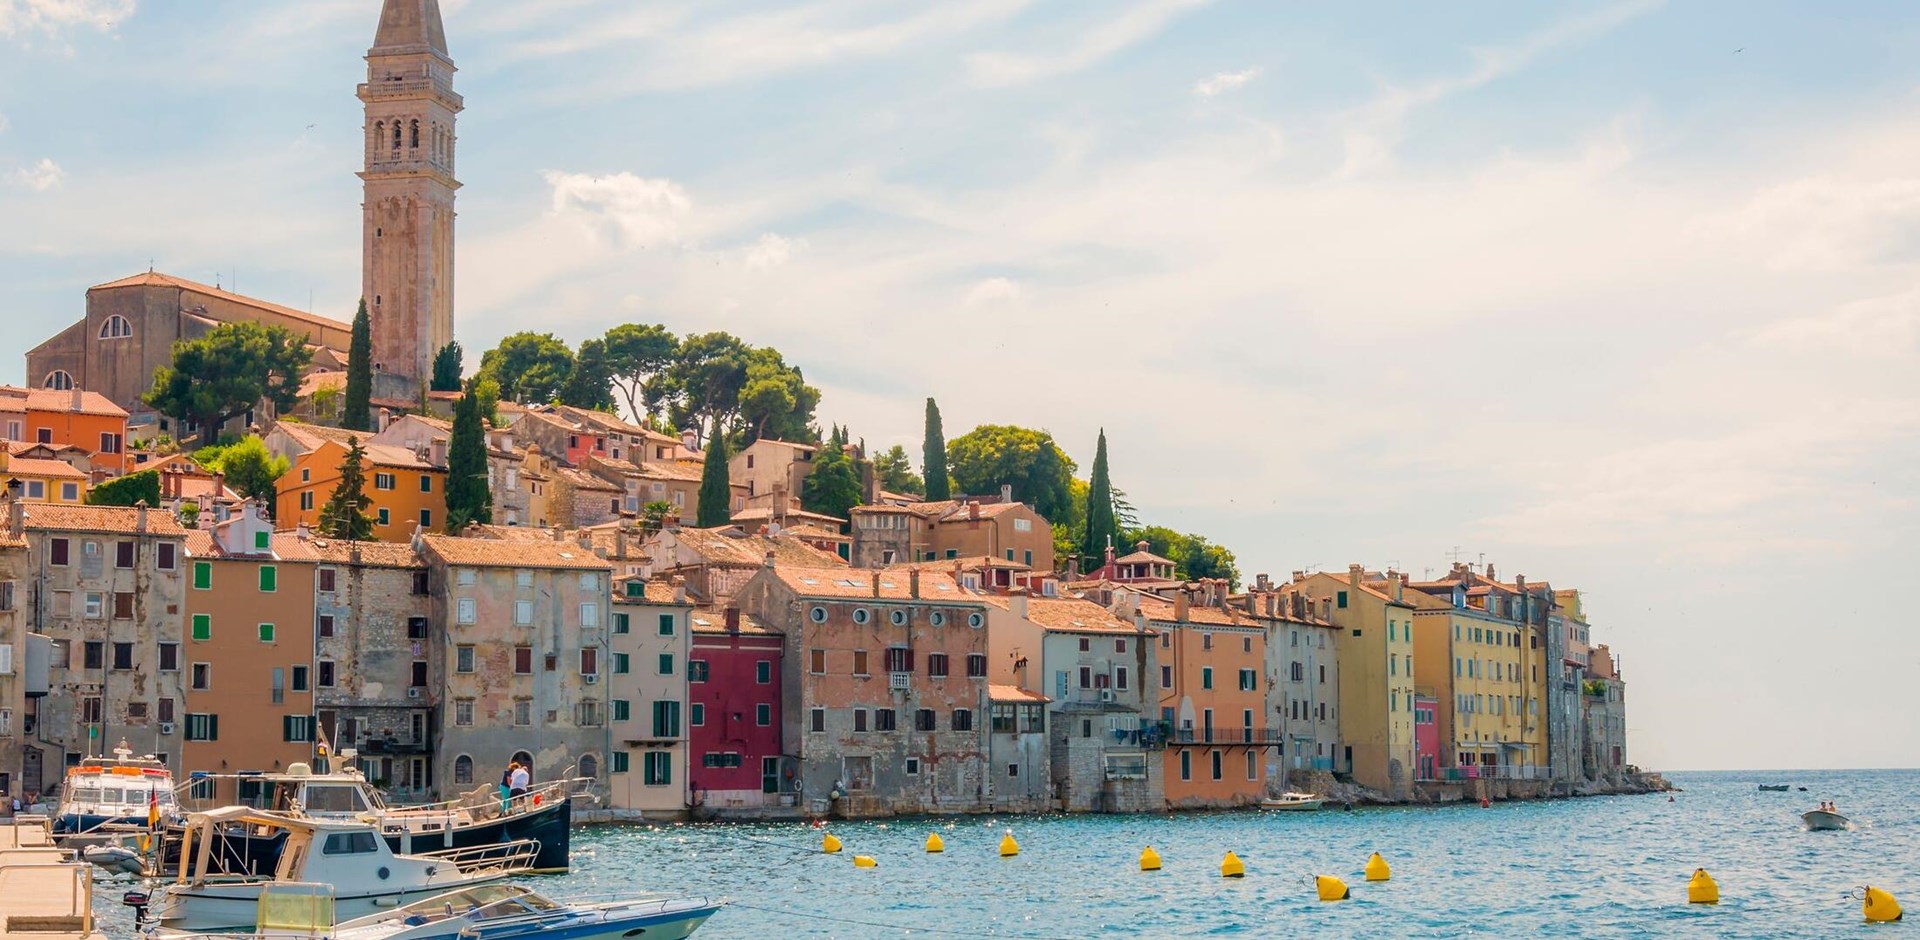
point(407, 209)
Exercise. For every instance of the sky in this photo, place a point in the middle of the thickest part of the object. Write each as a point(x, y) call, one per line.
point(1619, 296)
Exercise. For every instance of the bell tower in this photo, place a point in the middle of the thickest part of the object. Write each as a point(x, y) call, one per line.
point(407, 205)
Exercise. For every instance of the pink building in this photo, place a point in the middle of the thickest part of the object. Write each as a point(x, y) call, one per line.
point(733, 701)
point(1426, 737)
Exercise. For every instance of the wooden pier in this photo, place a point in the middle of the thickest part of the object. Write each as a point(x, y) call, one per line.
point(44, 892)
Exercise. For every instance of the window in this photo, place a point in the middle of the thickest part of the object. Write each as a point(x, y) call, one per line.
point(522, 613)
point(70, 492)
point(266, 633)
point(95, 654)
point(621, 624)
point(963, 719)
point(523, 660)
point(1186, 765)
point(976, 665)
point(936, 665)
point(1206, 677)
point(763, 716)
point(666, 624)
point(95, 605)
point(1253, 771)
point(860, 662)
point(165, 556)
point(169, 657)
point(202, 677)
point(300, 678)
point(817, 661)
point(522, 713)
point(666, 664)
point(464, 611)
point(59, 380)
point(818, 614)
point(203, 727)
point(426, 518)
point(382, 517)
point(1340, 600)
point(658, 767)
point(923, 719)
point(269, 579)
point(325, 677)
point(300, 728)
point(859, 720)
point(329, 579)
point(306, 501)
point(621, 664)
point(696, 670)
point(426, 483)
point(463, 659)
point(762, 672)
point(463, 769)
point(666, 719)
point(123, 554)
point(383, 481)
point(623, 711)
point(123, 655)
point(116, 327)
point(817, 720)
point(1249, 680)
point(1119, 676)
point(976, 619)
point(589, 615)
point(1166, 677)
point(617, 762)
point(123, 605)
point(1216, 764)
point(861, 615)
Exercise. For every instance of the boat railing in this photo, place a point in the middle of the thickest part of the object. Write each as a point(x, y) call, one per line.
point(78, 916)
point(512, 856)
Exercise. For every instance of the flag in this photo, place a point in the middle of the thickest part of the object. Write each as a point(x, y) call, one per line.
point(153, 809)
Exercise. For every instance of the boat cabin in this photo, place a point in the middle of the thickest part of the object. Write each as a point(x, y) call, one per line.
point(116, 790)
point(341, 794)
point(325, 851)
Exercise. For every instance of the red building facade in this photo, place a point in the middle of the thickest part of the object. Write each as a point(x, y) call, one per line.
point(734, 753)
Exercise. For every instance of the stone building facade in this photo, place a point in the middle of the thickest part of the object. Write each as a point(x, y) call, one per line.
point(17, 688)
point(374, 655)
point(1303, 691)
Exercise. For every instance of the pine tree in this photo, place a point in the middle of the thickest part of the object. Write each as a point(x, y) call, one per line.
point(468, 497)
point(345, 514)
point(447, 367)
point(1102, 529)
point(716, 496)
point(833, 486)
point(356, 413)
point(933, 457)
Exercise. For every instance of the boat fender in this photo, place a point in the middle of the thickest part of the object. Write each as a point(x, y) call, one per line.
point(1879, 906)
point(935, 844)
point(384, 873)
point(1149, 859)
point(1232, 867)
point(864, 861)
point(1330, 888)
point(830, 844)
point(1701, 888)
point(1008, 847)
point(432, 870)
point(1377, 868)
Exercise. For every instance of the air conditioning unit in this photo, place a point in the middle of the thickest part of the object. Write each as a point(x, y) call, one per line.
point(900, 681)
point(166, 727)
point(415, 692)
point(1106, 695)
point(592, 679)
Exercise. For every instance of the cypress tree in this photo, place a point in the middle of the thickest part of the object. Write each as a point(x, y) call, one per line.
point(716, 496)
point(468, 498)
point(1102, 529)
point(447, 368)
point(933, 457)
point(345, 514)
point(356, 414)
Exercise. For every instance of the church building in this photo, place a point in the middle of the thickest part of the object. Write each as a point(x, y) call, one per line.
point(408, 188)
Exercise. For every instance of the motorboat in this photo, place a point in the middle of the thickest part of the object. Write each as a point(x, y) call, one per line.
point(1824, 820)
point(480, 818)
point(365, 874)
point(1773, 787)
point(1293, 801)
point(496, 912)
point(104, 797)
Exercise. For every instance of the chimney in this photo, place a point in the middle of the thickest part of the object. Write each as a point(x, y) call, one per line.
point(876, 584)
point(913, 582)
point(768, 563)
point(1354, 574)
point(1253, 604)
point(689, 442)
point(386, 418)
point(1006, 492)
point(1520, 583)
point(620, 541)
point(973, 510)
point(1490, 576)
point(1017, 602)
point(78, 398)
point(219, 486)
point(437, 452)
point(1299, 576)
point(680, 590)
point(1181, 603)
point(302, 532)
point(733, 617)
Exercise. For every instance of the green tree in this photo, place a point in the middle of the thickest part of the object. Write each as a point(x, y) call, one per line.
point(469, 499)
point(356, 411)
point(1193, 556)
point(128, 490)
point(833, 486)
point(636, 353)
point(653, 516)
point(223, 374)
point(715, 378)
point(447, 367)
point(487, 392)
point(1102, 529)
point(590, 382)
point(345, 514)
point(715, 507)
point(933, 457)
point(248, 466)
point(895, 470)
point(993, 455)
point(530, 367)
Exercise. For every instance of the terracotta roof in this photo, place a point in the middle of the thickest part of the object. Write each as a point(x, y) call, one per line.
point(91, 403)
point(497, 553)
point(388, 455)
point(968, 563)
point(810, 531)
point(809, 448)
point(728, 545)
point(1071, 615)
point(1143, 558)
point(113, 520)
point(659, 591)
point(312, 435)
point(580, 479)
point(32, 467)
point(366, 554)
point(286, 546)
point(714, 620)
point(852, 583)
point(315, 381)
point(597, 419)
point(155, 279)
point(1013, 693)
point(1159, 608)
point(516, 533)
point(766, 514)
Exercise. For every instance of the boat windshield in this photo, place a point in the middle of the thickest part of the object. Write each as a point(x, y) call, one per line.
point(469, 899)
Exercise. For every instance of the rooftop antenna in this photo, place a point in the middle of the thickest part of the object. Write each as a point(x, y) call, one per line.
point(1454, 556)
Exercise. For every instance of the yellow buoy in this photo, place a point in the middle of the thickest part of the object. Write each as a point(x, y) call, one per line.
point(864, 861)
point(1879, 906)
point(1149, 859)
point(1377, 869)
point(1232, 867)
point(934, 843)
point(1008, 847)
point(1330, 888)
point(829, 844)
point(1701, 888)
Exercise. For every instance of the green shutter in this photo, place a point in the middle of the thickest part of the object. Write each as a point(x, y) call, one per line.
point(619, 622)
point(203, 575)
point(263, 540)
point(266, 636)
point(620, 709)
point(269, 578)
point(666, 624)
point(666, 664)
point(202, 626)
point(619, 762)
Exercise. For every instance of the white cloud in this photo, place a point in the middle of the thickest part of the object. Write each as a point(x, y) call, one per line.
point(39, 177)
point(1135, 25)
point(1224, 82)
point(1876, 327)
point(631, 210)
point(993, 290)
point(771, 251)
point(53, 16)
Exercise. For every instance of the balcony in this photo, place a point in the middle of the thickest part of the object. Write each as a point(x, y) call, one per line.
point(392, 747)
point(1220, 737)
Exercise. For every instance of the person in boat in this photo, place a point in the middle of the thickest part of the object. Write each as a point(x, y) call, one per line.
point(519, 780)
point(506, 784)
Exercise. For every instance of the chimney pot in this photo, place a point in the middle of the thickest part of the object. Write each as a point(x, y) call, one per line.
point(1355, 573)
point(913, 582)
point(769, 560)
point(876, 584)
point(1006, 492)
point(733, 619)
point(1181, 603)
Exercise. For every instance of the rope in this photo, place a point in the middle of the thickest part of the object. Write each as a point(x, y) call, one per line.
point(886, 926)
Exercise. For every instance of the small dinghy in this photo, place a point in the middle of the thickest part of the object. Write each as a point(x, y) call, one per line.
point(1824, 820)
point(1773, 787)
point(115, 858)
point(1294, 801)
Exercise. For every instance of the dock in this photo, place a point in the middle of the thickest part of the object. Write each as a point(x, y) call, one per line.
point(44, 893)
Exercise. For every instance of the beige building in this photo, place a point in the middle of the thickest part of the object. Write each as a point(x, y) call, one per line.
point(768, 466)
point(647, 693)
point(1003, 530)
point(717, 562)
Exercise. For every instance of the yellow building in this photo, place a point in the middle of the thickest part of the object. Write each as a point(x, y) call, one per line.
point(406, 491)
point(1483, 657)
point(42, 481)
point(1375, 651)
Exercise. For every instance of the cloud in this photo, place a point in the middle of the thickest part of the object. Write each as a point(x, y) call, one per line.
point(1135, 25)
point(1224, 82)
point(54, 16)
point(771, 251)
point(993, 290)
point(39, 177)
point(3, 123)
point(1877, 327)
point(631, 210)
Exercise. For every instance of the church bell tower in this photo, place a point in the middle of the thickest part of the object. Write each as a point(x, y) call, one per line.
point(407, 208)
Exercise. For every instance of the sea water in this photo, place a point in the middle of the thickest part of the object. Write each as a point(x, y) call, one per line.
point(1602, 866)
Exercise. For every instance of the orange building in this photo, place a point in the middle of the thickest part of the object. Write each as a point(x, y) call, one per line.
point(1212, 689)
point(86, 420)
point(249, 649)
point(407, 490)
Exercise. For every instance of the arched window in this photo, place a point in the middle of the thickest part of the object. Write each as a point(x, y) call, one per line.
point(116, 327)
point(463, 769)
point(589, 766)
point(59, 380)
point(413, 135)
point(396, 135)
point(379, 132)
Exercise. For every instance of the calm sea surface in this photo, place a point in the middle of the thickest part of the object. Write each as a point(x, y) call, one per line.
point(1606, 866)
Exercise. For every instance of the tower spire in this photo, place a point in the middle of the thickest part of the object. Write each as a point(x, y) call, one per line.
point(410, 23)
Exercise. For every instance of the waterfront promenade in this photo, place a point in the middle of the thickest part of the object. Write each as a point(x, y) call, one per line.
point(41, 895)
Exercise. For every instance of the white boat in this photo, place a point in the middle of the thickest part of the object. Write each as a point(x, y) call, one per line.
point(1822, 820)
point(103, 797)
point(365, 874)
point(495, 912)
point(1293, 801)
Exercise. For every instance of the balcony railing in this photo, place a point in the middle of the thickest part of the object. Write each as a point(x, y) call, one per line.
point(1487, 772)
point(1223, 736)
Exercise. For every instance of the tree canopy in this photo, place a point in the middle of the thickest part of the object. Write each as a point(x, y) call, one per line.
point(356, 411)
point(233, 368)
point(749, 392)
point(590, 382)
point(1192, 555)
point(992, 455)
point(895, 470)
point(833, 486)
point(447, 366)
point(248, 467)
point(129, 490)
point(469, 499)
point(529, 367)
point(933, 457)
point(636, 353)
point(345, 514)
